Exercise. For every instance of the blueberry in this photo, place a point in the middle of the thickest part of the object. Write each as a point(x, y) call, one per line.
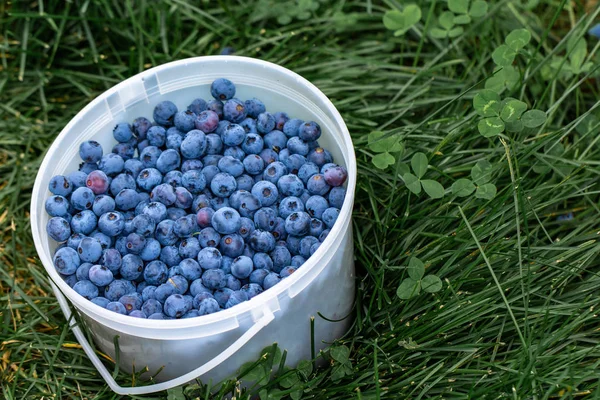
point(216, 106)
point(281, 257)
point(249, 124)
point(226, 264)
point(254, 107)
point(151, 306)
point(235, 152)
point(74, 239)
point(164, 113)
point(316, 227)
point(274, 171)
point(323, 235)
point(122, 133)
point(287, 271)
point(291, 126)
point(265, 219)
point(266, 192)
point(180, 285)
point(66, 261)
point(236, 298)
point(242, 267)
point(131, 302)
point(327, 167)
point(261, 241)
point(290, 185)
point(103, 204)
point(186, 226)
point(77, 179)
point(336, 196)
point(208, 306)
point(149, 157)
point(246, 227)
point(223, 184)
point(170, 256)
point(155, 272)
point(120, 182)
point(197, 287)
point(207, 121)
point(184, 120)
point(190, 314)
point(253, 164)
point(183, 198)
point(336, 176)
point(294, 162)
point(222, 295)
point(231, 165)
point(57, 206)
point(158, 316)
point(233, 135)
point(209, 172)
point(265, 122)
point(149, 178)
point(316, 205)
point(209, 258)
point(214, 144)
point(269, 156)
point(297, 146)
point(297, 261)
point(208, 237)
point(117, 307)
point(89, 250)
point(222, 89)
point(305, 245)
point(155, 210)
point(88, 167)
point(100, 275)
point(314, 248)
point(231, 282)
point(125, 150)
point(234, 111)
point(194, 181)
point(86, 289)
point(111, 259)
point(213, 279)
point(293, 244)
point(148, 292)
point(258, 276)
point(226, 220)
point(118, 288)
point(271, 280)
point(70, 280)
point(111, 164)
point(244, 182)
point(197, 106)
point(204, 217)
point(320, 156)
point(83, 222)
point(194, 144)
point(142, 145)
point(127, 199)
point(316, 184)
point(307, 170)
point(151, 250)
point(141, 126)
point(163, 291)
point(252, 289)
point(190, 269)
point(101, 301)
point(163, 193)
point(174, 139)
point(82, 198)
point(90, 151)
point(173, 178)
point(83, 272)
point(168, 161)
point(105, 240)
point(279, 232)
point(275, 140)
point(330, 216)
point(138, 314)
point(231, 245)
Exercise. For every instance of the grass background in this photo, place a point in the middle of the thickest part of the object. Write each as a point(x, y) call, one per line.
point(518, 314)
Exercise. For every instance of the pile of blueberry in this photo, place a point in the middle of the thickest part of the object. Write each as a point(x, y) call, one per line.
point(199, 211)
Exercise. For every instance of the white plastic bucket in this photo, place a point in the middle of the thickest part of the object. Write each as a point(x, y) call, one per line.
point(216, 345)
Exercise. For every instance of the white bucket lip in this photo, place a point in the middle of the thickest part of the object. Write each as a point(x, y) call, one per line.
point(258, 301)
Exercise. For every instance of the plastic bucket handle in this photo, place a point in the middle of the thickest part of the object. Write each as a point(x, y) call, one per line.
point(259, 324)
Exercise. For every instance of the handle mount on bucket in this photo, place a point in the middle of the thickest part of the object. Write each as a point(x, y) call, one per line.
point(201, 370)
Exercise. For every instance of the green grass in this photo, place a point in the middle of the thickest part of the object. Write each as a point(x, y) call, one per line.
point(518, 314)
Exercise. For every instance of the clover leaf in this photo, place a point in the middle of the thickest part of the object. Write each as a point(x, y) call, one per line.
point(479, 182)
point(478, 8)
point(385, 146)
point(503, 78)
point(401, 21)
point(447, 29)
point(414, 183)
point(411, 286)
